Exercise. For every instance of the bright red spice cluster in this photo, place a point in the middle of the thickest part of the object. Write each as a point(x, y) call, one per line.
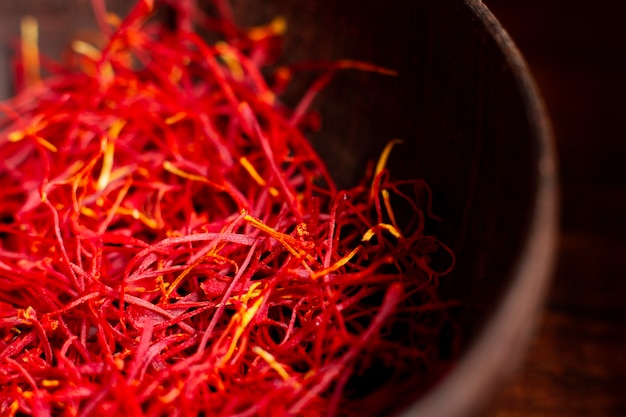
point(170, 244)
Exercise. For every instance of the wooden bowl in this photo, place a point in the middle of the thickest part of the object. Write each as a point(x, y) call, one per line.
point(474, 128)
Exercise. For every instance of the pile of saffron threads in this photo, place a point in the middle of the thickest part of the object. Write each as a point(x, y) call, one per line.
point(171, 245)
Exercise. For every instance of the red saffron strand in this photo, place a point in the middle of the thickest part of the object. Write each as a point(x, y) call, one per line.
point(171, 244)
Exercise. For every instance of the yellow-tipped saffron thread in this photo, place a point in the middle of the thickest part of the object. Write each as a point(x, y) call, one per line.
point(171, 168)
point(387, 202)
point(336, 265)
point(16, 136)
point(27, 314)
point(272, 362)
point(176, 118)
point(108, 145)
point(268, 97)
point(43, 142)
point(382, 162)
point(50, 383)
point(256, 176)
point(30, 50)
point(86, 211)
point(170, 396)
point(287, 241)
point(241, 320)
point(15, 405)
point(277, 27)
point(138, 215)
point(19, 135)
point(114, 20)
point(88, 50)
point(230, 59)
point(388, 227)
point(33, 132)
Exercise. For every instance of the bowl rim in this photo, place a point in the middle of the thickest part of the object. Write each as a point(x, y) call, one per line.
point(499, 348)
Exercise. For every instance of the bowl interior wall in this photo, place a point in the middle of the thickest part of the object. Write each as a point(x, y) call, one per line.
point(456, 105)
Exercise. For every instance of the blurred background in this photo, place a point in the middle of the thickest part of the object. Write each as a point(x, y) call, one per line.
point(576, 365)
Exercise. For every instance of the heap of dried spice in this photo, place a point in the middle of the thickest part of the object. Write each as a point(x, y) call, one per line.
point(171, 245)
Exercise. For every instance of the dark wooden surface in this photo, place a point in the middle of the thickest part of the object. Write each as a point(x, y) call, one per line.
point(576, 365)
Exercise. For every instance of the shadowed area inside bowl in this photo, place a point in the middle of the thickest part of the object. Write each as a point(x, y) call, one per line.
point(455, 103)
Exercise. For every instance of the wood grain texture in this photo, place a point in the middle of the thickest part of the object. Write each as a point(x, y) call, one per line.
point(576, 365)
